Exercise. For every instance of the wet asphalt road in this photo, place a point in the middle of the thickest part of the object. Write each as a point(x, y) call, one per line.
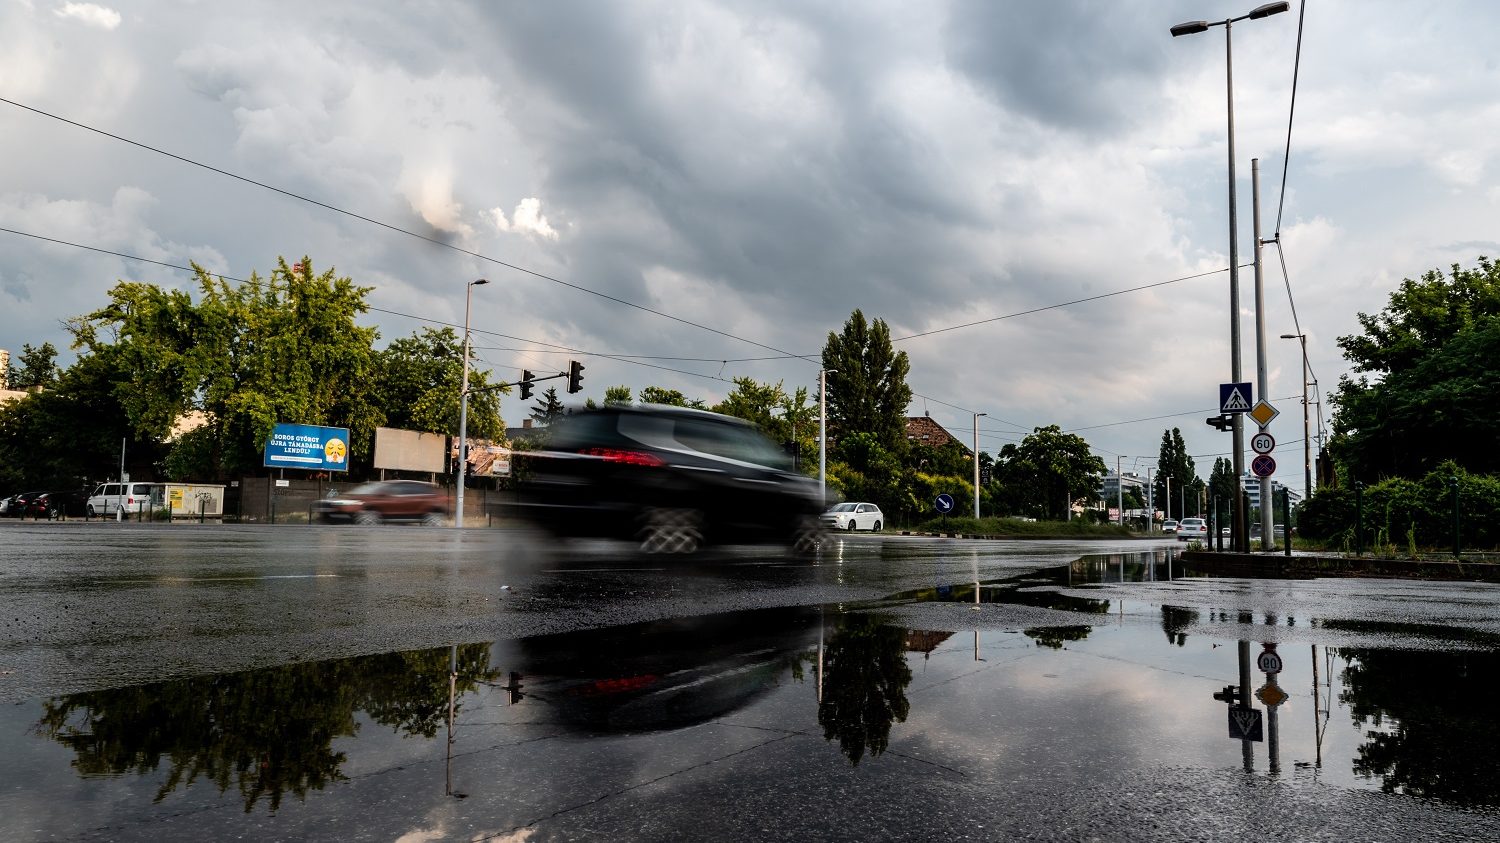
point(205, 682)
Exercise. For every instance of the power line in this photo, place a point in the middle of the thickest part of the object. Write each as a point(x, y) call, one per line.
point(396, 228)
point(1286, 159)
point(1061, 304)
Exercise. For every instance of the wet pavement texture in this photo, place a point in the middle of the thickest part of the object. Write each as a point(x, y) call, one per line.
point(402, 683)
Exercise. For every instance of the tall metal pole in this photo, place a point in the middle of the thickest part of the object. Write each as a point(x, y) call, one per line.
point(463, 410)
point(1150, 502)
point(1241, 531)
point(1120, 488)
point(1262, 378)
point(976, 465)
point(1307, 485)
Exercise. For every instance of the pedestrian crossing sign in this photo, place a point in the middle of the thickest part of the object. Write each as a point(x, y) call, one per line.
point(1234, 397)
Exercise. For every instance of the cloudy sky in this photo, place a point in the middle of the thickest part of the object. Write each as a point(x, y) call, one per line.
point(760, 170)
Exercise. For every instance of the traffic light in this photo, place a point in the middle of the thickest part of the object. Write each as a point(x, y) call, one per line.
point(1224, 422)
point(525, 384)
point(575, 376)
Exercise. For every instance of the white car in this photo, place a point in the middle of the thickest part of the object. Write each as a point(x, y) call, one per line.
point(1169, 526)
point(133, 498)
point(854, 516)
point(1192, 528)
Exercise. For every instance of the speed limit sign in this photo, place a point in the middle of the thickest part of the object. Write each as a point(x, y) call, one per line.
point(1262, 443)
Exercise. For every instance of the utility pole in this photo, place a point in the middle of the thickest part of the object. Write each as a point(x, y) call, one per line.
point(976, 464)
point(1262, 378)
point(1120, 488)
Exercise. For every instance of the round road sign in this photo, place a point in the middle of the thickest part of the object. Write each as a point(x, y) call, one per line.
point(944, 503)
point(1262, 443)
point(1263, 466)
point(1268, 661)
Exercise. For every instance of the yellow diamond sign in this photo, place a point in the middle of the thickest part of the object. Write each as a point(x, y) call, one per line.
point(1271, 694)
point(1263, 413)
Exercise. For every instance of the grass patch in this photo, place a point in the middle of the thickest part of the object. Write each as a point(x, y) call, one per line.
point(1017, 527)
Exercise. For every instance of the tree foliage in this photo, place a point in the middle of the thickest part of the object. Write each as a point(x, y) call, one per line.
point(418, 382)
point(867, 390)
point(1428, 383)
point(1173, 461)
point(549, 408)
point(38, 367)
point(1048, 472)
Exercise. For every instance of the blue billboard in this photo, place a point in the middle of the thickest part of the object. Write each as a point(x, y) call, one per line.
point(308, 446)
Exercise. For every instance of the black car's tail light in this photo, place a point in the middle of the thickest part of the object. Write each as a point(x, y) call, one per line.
point(623, 457)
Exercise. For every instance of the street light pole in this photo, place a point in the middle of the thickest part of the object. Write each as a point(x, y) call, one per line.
point(1262, 376)
point(1191, 28)
point(823, 433)
point(463, 409)
point(1307, 487)
point(976, 465)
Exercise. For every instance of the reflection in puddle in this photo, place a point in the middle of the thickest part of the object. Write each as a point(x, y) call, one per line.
point(854, 686)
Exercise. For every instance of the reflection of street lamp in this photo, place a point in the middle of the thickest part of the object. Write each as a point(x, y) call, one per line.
point(1191, 28)
point(823, 432)
point(463, 408)
point(1307, 487)
point(976, 466)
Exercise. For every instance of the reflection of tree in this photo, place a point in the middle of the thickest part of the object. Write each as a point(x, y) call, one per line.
point(1054, 636)
point(265, 732)
point(1442, 738)
point(864, 685)
point(1174, 621)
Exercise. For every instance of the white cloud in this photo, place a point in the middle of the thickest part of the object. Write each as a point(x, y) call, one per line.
point(527, 219)
point(90, 14)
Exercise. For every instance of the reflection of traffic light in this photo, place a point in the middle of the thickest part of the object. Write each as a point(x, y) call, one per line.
point(575, 376)
point(1224, 422)
point(525, 384)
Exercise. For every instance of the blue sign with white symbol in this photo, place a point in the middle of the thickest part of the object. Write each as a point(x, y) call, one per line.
point(1235, 398)
point(944, 503)
point(308, 446)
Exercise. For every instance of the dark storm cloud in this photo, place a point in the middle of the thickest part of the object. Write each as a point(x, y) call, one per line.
point(1088, 67)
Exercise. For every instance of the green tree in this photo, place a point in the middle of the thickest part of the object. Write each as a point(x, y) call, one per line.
point(38, 367)
point(1428, 387)
point(1047, 473)
point(659, 395)
point(548, 408)
point(617, 395)
point(1173, 461)
point(285, 348)
point(1222, 485)
point(418, 383)
point(867, 390)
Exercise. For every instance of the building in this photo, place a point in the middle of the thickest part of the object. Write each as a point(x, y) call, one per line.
point(1251, 484)
point(922, 430)
point(1109, 491)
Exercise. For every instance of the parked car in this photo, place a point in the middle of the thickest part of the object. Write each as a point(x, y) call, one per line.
point(854, 516)
point(131, 497)
point(1192, 528)
point(53, 505)
point(386, 500)
point(16, 505)
point(1169, 526)
point(671, 479)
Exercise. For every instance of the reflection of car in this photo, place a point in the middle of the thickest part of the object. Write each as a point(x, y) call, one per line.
point(670, 478)
point(387, 500)
point(854, 516)
point(1169, 526)
point(1192, 528)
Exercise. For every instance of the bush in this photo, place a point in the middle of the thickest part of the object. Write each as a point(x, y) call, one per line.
point(1409, 513)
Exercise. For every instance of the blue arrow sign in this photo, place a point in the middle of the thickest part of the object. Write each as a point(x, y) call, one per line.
point(1235, 398)
point(944, 503)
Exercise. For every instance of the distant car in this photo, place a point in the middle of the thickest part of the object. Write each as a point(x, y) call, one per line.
point(672, 479)
point(386, 500)
point(1192, 528)
point(52, 505)
point(854, 516)
point(1169, 526)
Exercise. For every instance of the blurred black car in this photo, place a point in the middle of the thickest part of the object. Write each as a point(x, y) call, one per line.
point(672, 479)
point(54, 505)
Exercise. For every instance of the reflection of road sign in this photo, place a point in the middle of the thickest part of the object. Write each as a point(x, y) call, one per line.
point(1234, 397)
point(944, 503)
point(1271, 694)
point(1263, 465)
point(1268, 662)
point(1244, 724)
point(1263, 413)
point(1262, 443)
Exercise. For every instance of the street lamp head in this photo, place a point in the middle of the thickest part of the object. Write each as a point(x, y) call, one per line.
point(1291, 336)
point(479, 282)
point(1192, 27)
point(1269, 9)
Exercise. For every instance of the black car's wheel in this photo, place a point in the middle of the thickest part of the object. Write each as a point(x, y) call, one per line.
point(876, 528)
point(807, 537)
point(367, 517)
point(668, 530)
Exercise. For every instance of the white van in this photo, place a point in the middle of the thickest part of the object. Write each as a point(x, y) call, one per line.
point(132, 497)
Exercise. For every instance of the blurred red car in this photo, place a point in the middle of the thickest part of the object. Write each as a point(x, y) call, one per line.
point(386, 500)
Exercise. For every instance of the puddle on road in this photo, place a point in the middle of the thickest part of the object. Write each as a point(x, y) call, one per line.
point(520, 725)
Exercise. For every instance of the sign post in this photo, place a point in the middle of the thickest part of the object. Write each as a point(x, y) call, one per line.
point(944, 505)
